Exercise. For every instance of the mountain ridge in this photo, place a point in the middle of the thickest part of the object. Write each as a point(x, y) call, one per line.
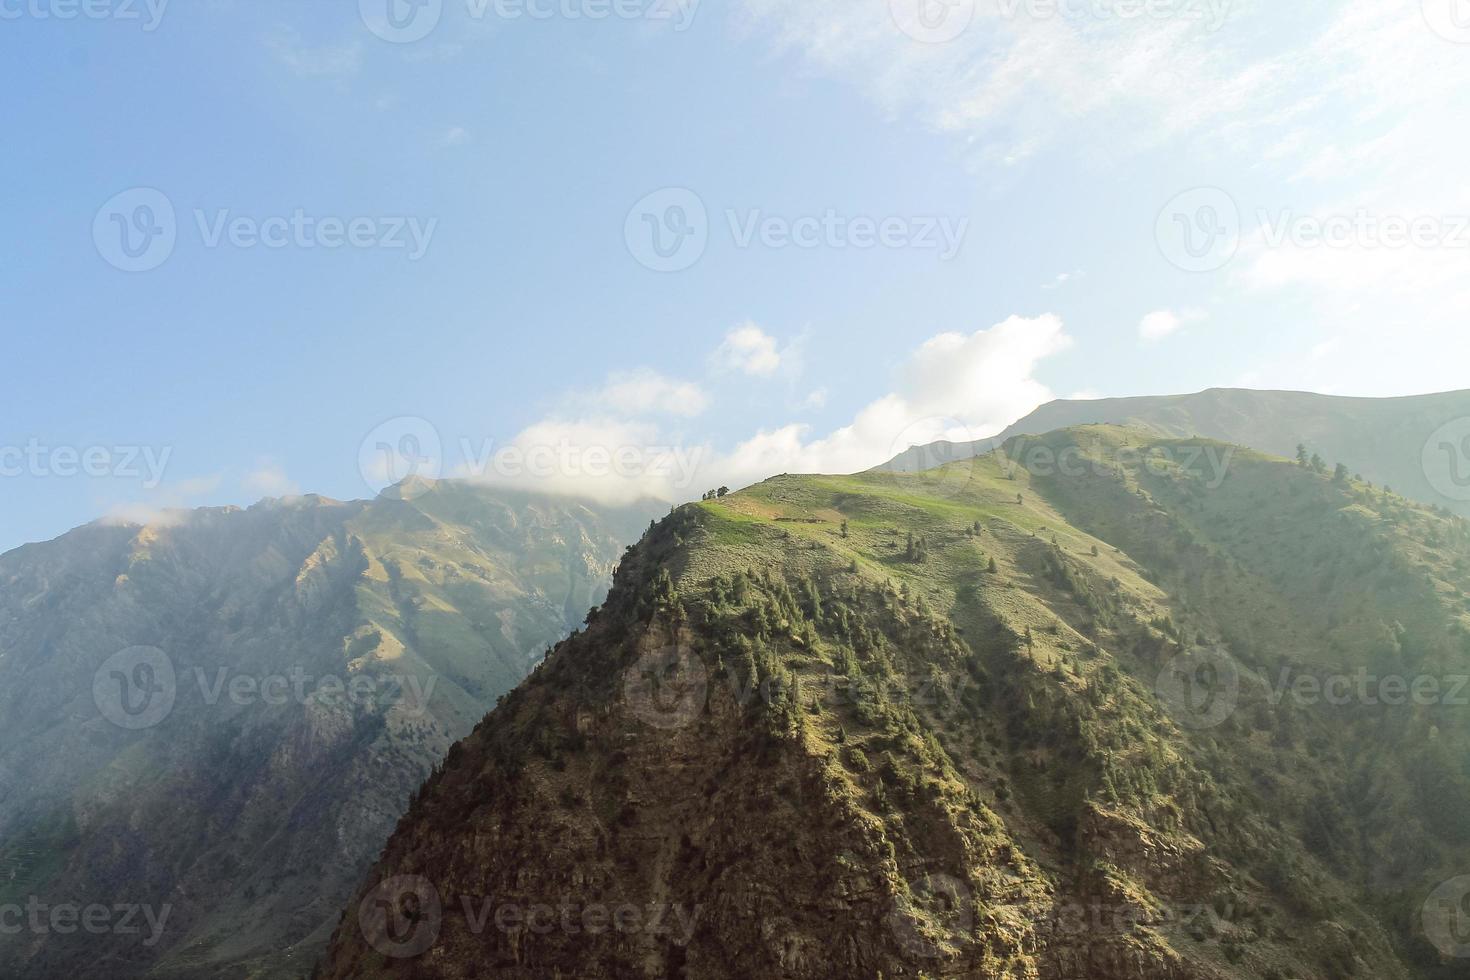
point(1388, 440)
point(311, 659)
point(948, 724)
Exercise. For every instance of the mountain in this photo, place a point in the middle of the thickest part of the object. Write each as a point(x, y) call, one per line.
point(209, 725)
point(1418, 445)
point(1182, 710)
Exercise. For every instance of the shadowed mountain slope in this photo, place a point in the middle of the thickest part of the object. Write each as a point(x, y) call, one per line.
point(216, 720)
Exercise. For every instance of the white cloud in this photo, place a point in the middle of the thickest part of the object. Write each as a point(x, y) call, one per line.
point(959, 387)
point(609, 460)
point(1062, 278)
point(1162, 323)
point(269, 479)
point(455, 136)
point(646, 392)
point(815, 399)
point(164, 506)
point(1014, 82)
point(749, 350)
point(315, 61)
point(1326, 348)
point(143, 515)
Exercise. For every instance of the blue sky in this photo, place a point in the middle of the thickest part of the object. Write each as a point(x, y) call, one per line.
point(992, 202)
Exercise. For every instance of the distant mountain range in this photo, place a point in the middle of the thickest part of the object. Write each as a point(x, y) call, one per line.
point(1177, 710)
point(1418, 445)
point(218, 718)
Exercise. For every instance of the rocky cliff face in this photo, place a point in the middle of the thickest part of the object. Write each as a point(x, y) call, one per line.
point(968, 723)
point(209, 726)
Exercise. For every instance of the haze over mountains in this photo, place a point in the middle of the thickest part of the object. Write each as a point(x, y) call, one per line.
point(220, 717)
point(1418, 445)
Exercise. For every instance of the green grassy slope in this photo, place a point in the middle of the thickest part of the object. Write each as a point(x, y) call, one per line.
point(977, 721)
point(1413, 444)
